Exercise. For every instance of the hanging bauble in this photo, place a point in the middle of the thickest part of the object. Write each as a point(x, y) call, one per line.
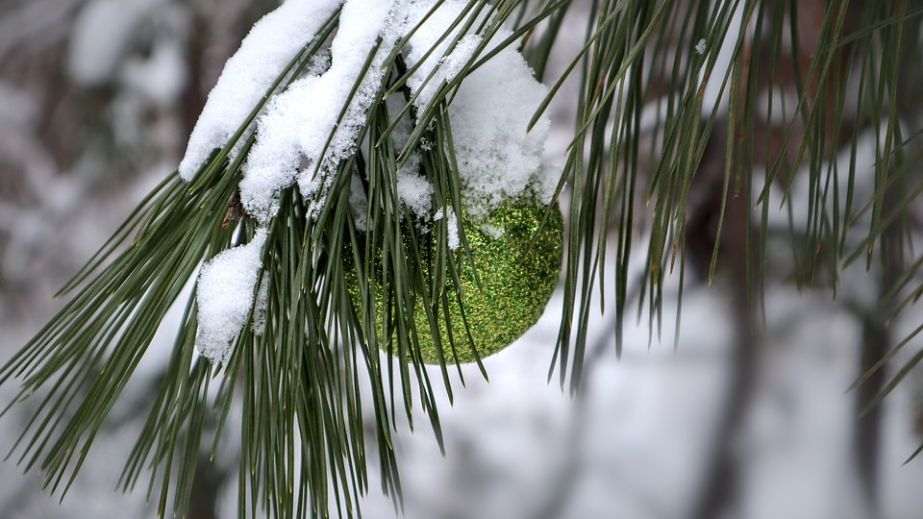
point(517, 257)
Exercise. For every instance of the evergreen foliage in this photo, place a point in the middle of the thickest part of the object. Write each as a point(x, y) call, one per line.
point(300, 379)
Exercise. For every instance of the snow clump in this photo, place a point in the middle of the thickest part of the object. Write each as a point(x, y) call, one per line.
point(307, 130)
point(225, 297)
point(498, 157)
point(269, 47)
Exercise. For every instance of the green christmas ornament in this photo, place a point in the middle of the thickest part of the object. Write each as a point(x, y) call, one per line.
point(517, 256)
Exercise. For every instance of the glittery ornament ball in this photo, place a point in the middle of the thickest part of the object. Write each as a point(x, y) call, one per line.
point(517, 257)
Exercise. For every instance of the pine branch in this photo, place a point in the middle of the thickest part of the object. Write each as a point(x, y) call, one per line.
point(654, 79)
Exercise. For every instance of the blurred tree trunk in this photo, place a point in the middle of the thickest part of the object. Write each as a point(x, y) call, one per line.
point(738, 259)
point(877, 339)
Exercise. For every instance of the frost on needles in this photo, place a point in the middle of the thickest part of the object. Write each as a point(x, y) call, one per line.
point(306, 131)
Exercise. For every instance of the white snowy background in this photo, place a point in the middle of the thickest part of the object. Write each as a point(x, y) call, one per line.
point(97, 98)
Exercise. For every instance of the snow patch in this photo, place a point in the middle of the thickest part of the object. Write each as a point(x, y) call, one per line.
point(306, 131)
point(498, 158)
point(295, 130)
point(493, 231)
point(452, 223)
point(700, 47)
point(432, 75)
point(453, 63)
point(415, 191)
point(261, 306)
point(225, 297)
point(268, 48)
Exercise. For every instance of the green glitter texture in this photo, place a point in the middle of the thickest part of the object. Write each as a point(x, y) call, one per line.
point(518, 271)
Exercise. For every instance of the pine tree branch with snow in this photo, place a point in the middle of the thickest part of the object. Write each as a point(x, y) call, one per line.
point(367, 193)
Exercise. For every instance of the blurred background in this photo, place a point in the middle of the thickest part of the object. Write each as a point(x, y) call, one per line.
point(97, 98)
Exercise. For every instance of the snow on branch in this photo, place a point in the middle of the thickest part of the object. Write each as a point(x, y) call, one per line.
point(271, 45)
point(225, 297)
point(309, 129)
